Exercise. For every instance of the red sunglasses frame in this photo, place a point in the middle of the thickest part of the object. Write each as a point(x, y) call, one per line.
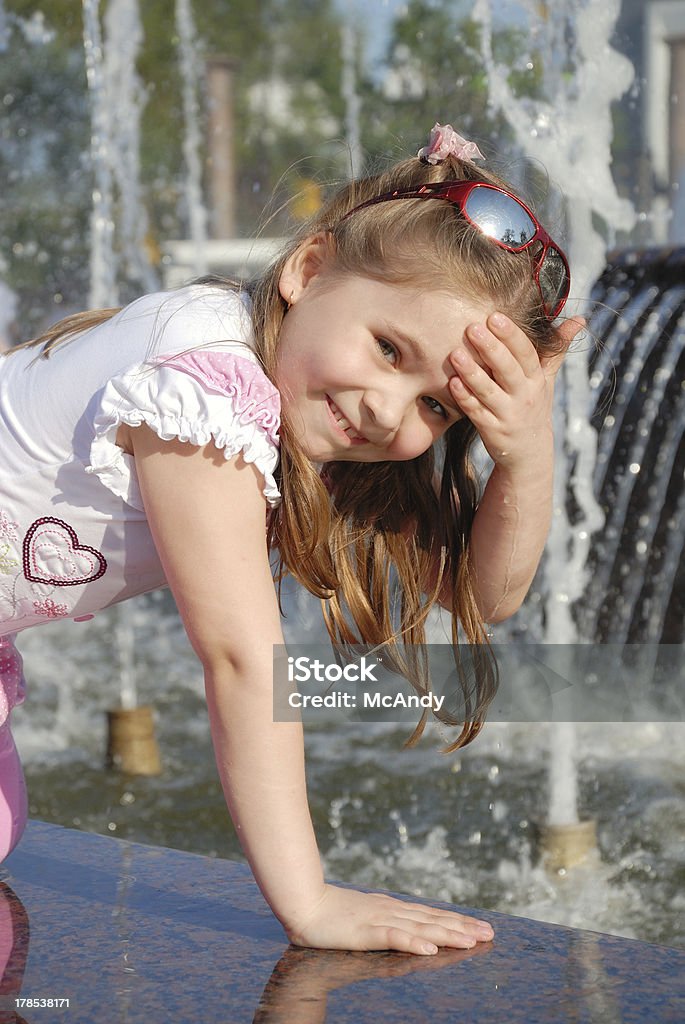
point(457, 193)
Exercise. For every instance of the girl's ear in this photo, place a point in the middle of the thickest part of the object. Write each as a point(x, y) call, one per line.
point(306, 263)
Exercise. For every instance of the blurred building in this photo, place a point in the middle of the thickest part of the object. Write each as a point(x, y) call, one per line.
point(650, 165)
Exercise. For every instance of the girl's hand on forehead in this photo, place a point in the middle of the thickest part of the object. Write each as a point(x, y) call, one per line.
point(348, 919)
point(506, 389)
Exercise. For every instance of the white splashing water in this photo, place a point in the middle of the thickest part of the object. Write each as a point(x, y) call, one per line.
point(569, 131)
point(126, 101)
point(192, 141)
point(103, 259)
point(351, 98)
point(117, 101)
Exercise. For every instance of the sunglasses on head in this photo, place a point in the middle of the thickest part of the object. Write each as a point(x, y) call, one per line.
point(501, 216)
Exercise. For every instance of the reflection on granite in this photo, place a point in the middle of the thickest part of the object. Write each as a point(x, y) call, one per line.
point(130, 933)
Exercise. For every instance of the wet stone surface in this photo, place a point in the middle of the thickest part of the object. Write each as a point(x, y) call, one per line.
point(128, 933)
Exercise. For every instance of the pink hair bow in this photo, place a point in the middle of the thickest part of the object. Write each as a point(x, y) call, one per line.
point(444, 142)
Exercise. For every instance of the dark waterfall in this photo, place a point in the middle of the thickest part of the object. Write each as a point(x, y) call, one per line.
point(636, 592)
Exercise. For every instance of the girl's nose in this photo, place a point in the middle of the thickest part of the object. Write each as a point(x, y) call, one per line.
point(385, 410)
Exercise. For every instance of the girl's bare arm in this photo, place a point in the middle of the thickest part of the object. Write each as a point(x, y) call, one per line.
point(208, 520)
point(507, 541)
point(506, 390)
point(207, 517)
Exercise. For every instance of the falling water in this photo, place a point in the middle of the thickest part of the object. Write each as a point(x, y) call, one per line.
point(635, 593)
point(554, 130)
point(192, 141)
point(649, 408)
point(103, 262)
point(116, 103)
point(4, 28)
point(124, 37)
point(351, 98)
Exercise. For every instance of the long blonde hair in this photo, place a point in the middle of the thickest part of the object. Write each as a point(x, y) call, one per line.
point(370, 550)
point(368, 540)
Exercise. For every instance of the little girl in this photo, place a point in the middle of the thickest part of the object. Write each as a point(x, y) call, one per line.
point(140, 447)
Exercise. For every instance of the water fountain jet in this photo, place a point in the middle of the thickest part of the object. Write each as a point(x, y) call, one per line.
point(554, 131)
point(131, 743)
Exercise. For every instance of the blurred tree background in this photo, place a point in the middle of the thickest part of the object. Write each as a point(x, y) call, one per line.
point(290, 134)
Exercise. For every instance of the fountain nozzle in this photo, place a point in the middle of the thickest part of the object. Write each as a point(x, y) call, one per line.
point(561, 847)
point(131, 743)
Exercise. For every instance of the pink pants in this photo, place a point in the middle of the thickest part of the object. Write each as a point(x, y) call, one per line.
point(13, 802)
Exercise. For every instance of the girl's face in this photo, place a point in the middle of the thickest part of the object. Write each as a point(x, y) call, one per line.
point(363, 366)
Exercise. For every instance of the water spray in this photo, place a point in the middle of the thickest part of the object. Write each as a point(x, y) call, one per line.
point(131, 744)
point(553, 129)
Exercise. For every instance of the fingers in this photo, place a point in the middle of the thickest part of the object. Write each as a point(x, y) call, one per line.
point(450, 925)
point(348, 919)
point(498, 360)
point(509, 344)
point(504, 351)
point(403, 941)
point(474, 389)
point(498, 350)
point(426, 912)
point(422, 930)
point(505, 388)
point(421, 940)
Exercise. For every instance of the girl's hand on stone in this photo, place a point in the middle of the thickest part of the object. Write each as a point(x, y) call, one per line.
point(349, 919)
point(505, 388)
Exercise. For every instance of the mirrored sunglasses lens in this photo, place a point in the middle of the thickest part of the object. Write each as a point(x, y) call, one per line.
point(553, 278)
point(499, 216)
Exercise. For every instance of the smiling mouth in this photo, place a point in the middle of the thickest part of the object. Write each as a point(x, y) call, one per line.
point(344, 425)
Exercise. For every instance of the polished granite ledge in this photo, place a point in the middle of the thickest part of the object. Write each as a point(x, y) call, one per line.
point(130, 933)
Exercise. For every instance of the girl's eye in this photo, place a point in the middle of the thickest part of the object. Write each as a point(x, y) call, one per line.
point(389, 351)
point(435, 406)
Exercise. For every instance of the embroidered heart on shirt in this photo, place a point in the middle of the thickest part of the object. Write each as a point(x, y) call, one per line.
point(52, 554)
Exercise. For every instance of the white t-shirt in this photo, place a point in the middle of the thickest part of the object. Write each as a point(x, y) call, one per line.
point(73, 533)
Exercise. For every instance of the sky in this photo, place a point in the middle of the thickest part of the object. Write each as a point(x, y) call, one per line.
point(375, 17)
